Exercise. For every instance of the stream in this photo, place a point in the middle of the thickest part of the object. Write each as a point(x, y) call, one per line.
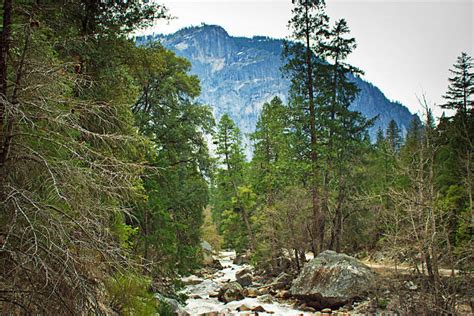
point(198, 291)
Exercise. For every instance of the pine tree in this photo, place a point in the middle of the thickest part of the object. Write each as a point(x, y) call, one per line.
point(230, 201)
point(380, 138)
point(393, 136)
point(167, 113)
point(342, 130)
point(70, 158)
point(271, 171)
point(459, 97)
point(455, 157)
point(461, 86)
point(309, 26)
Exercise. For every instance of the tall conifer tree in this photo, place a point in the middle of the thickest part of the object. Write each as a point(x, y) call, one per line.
point(308, 26)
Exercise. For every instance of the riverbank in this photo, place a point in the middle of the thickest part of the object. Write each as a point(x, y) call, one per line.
point(202, 292)
point(231, 286)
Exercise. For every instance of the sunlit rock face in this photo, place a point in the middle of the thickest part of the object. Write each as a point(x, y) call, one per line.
point(239, 74)
point(332, 279)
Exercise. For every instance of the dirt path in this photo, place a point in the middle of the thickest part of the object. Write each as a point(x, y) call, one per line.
point(390, 268)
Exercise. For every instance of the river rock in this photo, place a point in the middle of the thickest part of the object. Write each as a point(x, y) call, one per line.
point(264, 290)
point(207, 253)
point(192, 280)
point(232, 291)
point(211, 262)
point(243, 271)
point(260, 309)
point(243, 308)
point(267, 298)
point(244, 277)
point(177, 309)
point(216, 264)
point(332, 279)
point(308, 309)
point(242, 258)
point(206, 246)
point(283, 294)
point(283, 264)
point(282, 281)
point(214, 294)
point(251, 292)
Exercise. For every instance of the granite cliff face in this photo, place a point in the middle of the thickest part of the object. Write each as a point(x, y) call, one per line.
point(239, 74)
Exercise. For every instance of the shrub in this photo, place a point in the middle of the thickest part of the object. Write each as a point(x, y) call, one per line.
point(130, 295)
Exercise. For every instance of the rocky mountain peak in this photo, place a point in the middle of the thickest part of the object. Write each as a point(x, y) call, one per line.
point(202, 43)
point(239, 74)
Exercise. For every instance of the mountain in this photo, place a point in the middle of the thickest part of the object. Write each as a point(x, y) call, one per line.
point(239, 74)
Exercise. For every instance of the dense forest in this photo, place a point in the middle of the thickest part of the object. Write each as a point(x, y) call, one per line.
point(112, 173)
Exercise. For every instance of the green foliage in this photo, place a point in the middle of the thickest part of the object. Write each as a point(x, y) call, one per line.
point(232, 201)
point(383, 303)
point(461, 85)
point(233, 231)
point(104, 163)
point(123, 232)
point(73, 162)
point(130, 296)
point(76, 161)
point(393, 136)
point(210, 232)
point(233, 223)
point(165, 309)
point(176, 185)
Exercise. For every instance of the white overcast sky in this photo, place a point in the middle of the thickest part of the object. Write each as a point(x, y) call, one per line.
point(405, 47)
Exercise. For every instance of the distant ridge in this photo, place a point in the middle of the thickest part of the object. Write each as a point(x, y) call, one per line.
point(239, 74)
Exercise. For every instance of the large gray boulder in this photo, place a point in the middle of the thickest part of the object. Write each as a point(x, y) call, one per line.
point(332, 279)
point(208, 256)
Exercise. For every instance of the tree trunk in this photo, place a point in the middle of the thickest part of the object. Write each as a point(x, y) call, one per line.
point(273, 245)
point(146, 233)
point(246, 219)
point(302, 255)
point(297, 260)
point(335, 243)
point(5, 40)
point(318, 218)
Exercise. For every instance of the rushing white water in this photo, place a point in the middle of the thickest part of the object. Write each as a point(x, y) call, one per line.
point(200, 302)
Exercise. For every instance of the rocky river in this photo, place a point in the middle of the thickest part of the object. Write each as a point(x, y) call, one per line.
point(202, 292)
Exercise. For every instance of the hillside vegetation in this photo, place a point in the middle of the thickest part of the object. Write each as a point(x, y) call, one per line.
point(108, 187)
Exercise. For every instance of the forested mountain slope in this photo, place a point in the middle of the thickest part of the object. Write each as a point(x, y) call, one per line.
point(239, 74)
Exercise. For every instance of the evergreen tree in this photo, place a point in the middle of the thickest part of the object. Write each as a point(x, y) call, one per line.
point(380, 138)
point(69, 158)
point(327, 134)
point(342, 130)
point(230, 202)
point(177, 189)
point(393, 136)
point(455, 156)
point(271, 149)
point(308, 25)
point(461, 86)
point(271, 170)
point(415, 132)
